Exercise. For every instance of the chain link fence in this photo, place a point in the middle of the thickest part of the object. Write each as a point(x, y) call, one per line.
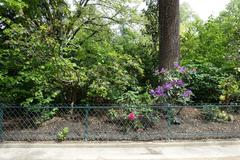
point(118, 122)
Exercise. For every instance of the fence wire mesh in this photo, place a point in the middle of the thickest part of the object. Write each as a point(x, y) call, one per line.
point(118, 122)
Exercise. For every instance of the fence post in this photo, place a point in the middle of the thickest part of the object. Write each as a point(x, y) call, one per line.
point(85, 123)
point(1, 123)
point(169, 120)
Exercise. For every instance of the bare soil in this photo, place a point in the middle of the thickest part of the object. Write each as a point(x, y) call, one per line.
point(99, 127)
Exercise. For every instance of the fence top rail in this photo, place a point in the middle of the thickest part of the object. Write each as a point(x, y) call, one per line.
point(117, 106)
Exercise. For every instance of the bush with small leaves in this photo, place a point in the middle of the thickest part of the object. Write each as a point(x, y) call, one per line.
point(61, 136)
point(215, 114)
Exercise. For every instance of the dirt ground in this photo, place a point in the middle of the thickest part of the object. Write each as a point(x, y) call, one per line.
point(98, 127)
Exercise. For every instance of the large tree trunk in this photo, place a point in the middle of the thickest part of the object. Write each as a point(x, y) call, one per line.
point(168, 32)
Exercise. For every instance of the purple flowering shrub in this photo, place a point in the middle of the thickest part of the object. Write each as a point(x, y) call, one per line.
point(172, 88)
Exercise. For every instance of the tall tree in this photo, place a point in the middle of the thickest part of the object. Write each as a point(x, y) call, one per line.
point(51, 54)
point(169, 19)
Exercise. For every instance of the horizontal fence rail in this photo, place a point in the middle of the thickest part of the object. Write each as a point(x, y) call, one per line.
point(118, 122)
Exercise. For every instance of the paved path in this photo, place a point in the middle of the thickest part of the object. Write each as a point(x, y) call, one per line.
point(215, 150)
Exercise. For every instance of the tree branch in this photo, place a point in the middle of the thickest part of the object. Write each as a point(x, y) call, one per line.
point(91, 35)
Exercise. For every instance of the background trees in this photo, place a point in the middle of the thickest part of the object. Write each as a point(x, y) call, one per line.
point(55, 54)
point(108, 51)
point(213, 48)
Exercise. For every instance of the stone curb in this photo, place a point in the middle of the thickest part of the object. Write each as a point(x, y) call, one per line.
point(123, 144)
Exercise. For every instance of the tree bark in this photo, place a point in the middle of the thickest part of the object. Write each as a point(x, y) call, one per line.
point(168, 32)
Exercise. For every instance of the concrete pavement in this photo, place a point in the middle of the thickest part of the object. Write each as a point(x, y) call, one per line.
point(210, 150)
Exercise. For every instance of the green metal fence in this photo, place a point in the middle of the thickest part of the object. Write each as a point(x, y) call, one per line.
point(118, 122)
point(1, 123)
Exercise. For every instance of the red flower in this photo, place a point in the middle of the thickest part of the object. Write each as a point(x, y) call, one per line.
point(131, 116)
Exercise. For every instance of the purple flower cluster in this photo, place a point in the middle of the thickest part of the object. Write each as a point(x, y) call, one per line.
point(160, 71)
point(187, 93)
point(160, 91)
point(180, 68)
point(168, 86)
point(176, 65)
point(163, 70)
point(178, 82)
point(174, 89)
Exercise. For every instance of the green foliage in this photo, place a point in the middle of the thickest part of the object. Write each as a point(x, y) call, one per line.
point(134, 97)
point(14, 4)
point(204, 82)
point(230, 89)
point(106, 52)
point(208, 43)
point(57, 55)
point(45, 115)
point(62, 135)
point(215, 114)
point(113, 114)
point(213, 48)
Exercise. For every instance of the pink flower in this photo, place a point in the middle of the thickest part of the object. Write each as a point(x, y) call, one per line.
point(131, 116)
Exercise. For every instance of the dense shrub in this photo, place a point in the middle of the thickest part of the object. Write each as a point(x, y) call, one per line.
point(214, 113)
point(173, 86)
point(205, 83)
point(230, 89)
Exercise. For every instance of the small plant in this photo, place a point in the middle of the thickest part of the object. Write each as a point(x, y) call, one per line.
point(137, 113)
point(215, 114)
point(112, 114)
point(133, 121)
point(230, 88)
point(140, 118)
point(61, 136)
